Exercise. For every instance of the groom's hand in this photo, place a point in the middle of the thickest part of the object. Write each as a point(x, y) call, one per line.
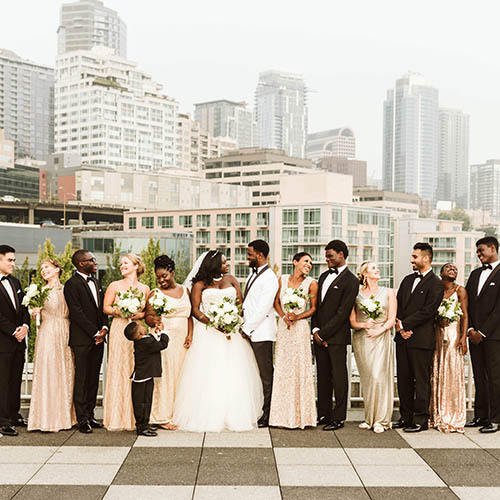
point(317, 338)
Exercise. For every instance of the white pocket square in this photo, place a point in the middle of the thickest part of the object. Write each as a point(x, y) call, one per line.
point(492, 284)
point(19, 291)
point(335, 286)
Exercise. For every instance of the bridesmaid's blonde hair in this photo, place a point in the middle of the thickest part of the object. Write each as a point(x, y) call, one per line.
point(53, 262)
point(363, 267)
point(137, 261)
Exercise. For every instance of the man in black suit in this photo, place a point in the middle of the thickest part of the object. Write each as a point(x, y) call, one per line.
point(88, 329)
point(483, 289)
point(338, 288)
point(419, 297)
point(147, 364)
point(14, 321)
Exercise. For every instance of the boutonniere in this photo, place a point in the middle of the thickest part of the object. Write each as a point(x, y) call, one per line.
point(335, 286)
point(492, 284)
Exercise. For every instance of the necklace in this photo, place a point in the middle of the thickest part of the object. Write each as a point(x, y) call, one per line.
point(217, 279)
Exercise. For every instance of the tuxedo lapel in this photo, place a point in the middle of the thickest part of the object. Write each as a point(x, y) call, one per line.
point(422, 281)
point(7, 297)
point(488, 280)
point(89, 291)
point(335, 282)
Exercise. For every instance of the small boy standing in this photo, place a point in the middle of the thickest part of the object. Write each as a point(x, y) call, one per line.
point(147, 364)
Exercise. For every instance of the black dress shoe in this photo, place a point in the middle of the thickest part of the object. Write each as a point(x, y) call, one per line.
point(263, 422)
point(323, 420)
point(416, 428)
point(146, 432)
point(400, 424)
point(95, 424)
point(333, 425)
point(8, 430)
point(154, 428)
point(20, 422)
point(489, 429)
point(477, 422)
point(84, 427)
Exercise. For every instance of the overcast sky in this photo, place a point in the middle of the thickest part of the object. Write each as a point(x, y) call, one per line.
point(350, 53)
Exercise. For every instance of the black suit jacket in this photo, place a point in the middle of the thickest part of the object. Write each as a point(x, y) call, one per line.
point(332, 313)
point(417, 310)
point(86, 317)
point(11, 317)
point(484, 309)
point(147, 356)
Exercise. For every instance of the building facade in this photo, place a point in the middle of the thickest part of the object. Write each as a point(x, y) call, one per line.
point(281, 112)
point(411, 137)
point(485, 187)
point(453, 175)
point(27, 105)
point(7, 149)
point(400, 204)
point(338, 142)
point(228, 119)
point(88, 23)
point(111, 113)
point(355, 168)
point(259, 169)
point(25, 181)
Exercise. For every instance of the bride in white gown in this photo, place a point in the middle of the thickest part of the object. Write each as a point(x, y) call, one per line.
point(219, 387)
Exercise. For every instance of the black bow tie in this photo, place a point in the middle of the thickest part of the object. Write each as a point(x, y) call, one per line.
point(89, 279)
point(333, 270)
point(4, 278)
point(419, 275)
point(254, 270)
point(486, 266)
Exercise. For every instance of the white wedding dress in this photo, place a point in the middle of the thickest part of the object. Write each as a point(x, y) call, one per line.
point(219, 387)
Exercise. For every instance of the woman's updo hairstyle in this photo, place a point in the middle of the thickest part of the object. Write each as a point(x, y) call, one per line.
point(361, 273)
point(210, 268)
point(164, 262)
point(299, 256)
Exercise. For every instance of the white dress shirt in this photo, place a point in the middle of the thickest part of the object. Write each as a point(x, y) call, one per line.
point(418, 280)
point(485, 273)
point(91, 285)
point(8, 288)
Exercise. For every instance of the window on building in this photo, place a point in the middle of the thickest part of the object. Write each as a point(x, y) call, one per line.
point(166, 221)
point(242, 220)
point(203, 220)
point(263, 219)
point(290, 216)
point(202, 238)
point(290, 235)
point(223, 237)
point(312, 216)
point(186, 220)
point(223, 220)
point(242, 237)
point(132, 223)
point(263, 234)
point(148, 222)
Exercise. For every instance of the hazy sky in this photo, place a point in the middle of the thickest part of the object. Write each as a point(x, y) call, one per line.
point(350, 53)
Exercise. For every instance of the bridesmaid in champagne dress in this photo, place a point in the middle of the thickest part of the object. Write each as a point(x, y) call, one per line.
point(373, 348)
point(51, 407)
point(179, 327)
point(118, 411)
point(293, 403)
point(448, 410)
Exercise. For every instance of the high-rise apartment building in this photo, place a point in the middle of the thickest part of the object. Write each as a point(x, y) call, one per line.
point(485, 187)
point(87, 23)
point(6, 151)
point(338, 142)
point(281, 112)
point(229, 119)
point(453, 174)
point(27, 105)
point(411, 137)
point(111, 113)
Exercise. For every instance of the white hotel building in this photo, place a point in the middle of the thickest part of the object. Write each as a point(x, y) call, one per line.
point(111, 113)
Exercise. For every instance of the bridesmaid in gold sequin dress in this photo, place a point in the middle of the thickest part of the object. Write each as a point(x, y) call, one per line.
point(293, 402)
point(179, 327)
point(118, 411)
point(51, 407)
point(448, 410)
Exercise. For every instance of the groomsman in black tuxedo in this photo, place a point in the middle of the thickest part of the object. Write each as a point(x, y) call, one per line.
point(88, 329)
point(419, 297)
point(14, 321)
point(483, 289)
point(338, 288)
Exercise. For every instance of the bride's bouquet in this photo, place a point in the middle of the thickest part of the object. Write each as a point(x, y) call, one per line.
point(225, 316)
point(161, 303)
point(371, 308)
point(293, 299)
point(129, 302)
point(449, 311)
point(35, 296)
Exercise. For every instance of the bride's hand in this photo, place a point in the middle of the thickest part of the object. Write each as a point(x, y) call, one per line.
point(188, 341)
point(291, 316)
point(287, 322)
point(36, 312)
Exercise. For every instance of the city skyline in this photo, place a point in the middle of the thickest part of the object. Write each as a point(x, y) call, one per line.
point(351, 93)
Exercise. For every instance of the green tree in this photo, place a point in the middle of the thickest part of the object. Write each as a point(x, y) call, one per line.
point(64, 259)
point(23, 273)
point(457, 214)
point(148, 255)
point(182, 266)
point(112, 267)
point(490, 231)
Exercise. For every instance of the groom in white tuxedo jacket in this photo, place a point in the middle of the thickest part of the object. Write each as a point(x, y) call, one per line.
point(259, 317)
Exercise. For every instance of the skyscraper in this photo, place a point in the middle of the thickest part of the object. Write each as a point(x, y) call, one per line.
point(281, 112)
point(230, 119)
point(338, 142)
point(411, 137)
point(87, 23)
point(453, 175)
point(485, 187)
point(27, 105)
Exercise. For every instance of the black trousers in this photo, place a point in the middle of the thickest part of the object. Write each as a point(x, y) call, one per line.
point(485, 358)
point(332, 378)
point(414, 383)
point(264, 355)
point(11, 374)
point(142, 399)
point(88, 360)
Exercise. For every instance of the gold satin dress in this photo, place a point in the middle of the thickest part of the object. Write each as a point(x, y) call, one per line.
point(375, 362)
point(448, 397)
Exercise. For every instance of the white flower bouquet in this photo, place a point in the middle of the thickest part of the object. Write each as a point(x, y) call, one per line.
point(449, 311)
point(161, 303)
point(225, 316)
point(293, 299)
point(35, 296)
point(129, 302)
point(371, 307)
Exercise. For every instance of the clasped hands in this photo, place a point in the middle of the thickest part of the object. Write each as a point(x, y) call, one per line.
point(100, 336)
point(371, 330)
point(406, 334)
point(20, 332)
point(289, 319)
point(474, 336)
